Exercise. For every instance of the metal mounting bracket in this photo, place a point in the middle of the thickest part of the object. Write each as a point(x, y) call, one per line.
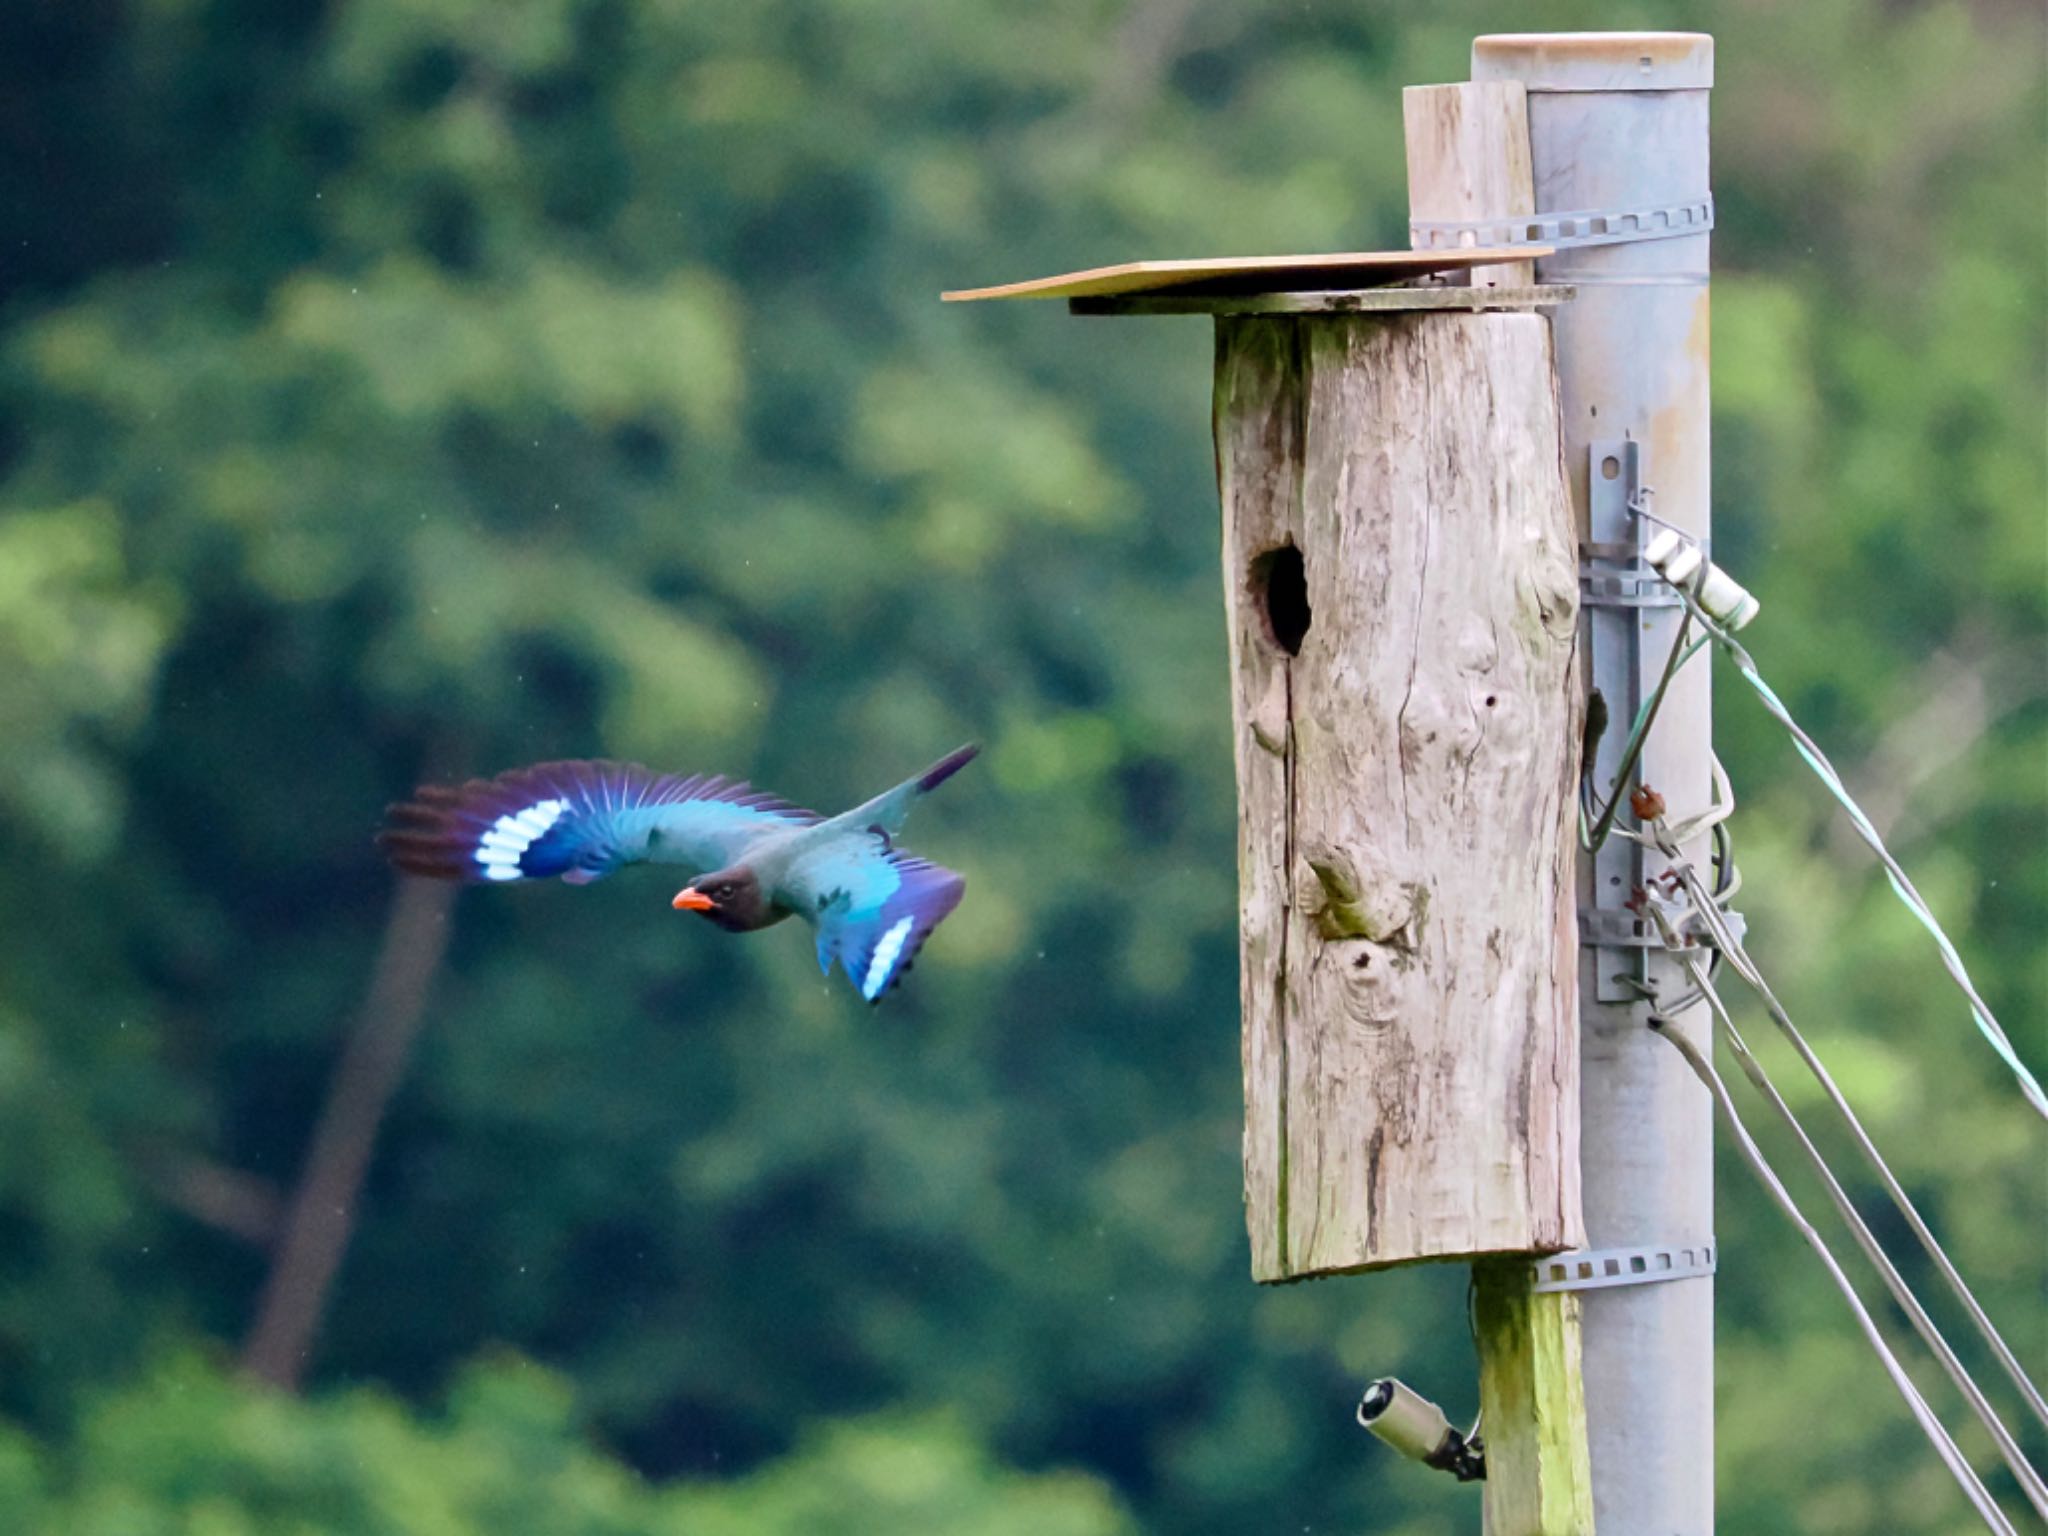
point(1594, 1269)
point(1619, 595)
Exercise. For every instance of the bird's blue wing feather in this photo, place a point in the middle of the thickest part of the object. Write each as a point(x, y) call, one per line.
point(874, 907)
point(579, 820)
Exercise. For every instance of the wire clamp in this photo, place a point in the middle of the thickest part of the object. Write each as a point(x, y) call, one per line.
point(1611, 928)
point(1596, 1269)
point(1566, 231)
point(1617, 575)
point(1632, 927)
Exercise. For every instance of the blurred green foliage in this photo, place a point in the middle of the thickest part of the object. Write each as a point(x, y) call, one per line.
point(187, 1452)
point(397, 389)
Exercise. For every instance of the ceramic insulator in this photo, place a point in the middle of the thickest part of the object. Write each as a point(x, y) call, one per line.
point(1678, 560)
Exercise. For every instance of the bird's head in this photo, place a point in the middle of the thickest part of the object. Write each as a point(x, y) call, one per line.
point(731, 898)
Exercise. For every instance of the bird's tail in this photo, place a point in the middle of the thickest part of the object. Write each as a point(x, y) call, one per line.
point(877, 947)
point(946, 767)
point(888, 810)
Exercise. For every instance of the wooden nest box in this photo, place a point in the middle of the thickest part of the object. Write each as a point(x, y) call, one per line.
point(1402, 583)
point(1401, 574)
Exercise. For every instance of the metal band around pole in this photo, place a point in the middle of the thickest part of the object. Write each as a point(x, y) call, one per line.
point(1594, 1269)
point(1563, 231)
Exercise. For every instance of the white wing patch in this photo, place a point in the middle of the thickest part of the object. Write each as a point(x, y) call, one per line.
point(499, 850)
point(887, 948)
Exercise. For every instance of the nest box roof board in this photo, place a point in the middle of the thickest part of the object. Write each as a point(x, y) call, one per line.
point(1250, 274)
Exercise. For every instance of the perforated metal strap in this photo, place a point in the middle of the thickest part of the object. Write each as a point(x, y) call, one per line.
point(1566, 231)
point(1594, 1269)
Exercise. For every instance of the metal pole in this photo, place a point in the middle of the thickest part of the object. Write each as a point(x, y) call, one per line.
point(1618, 125)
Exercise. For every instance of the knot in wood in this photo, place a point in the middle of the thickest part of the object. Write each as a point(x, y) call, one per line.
point(1547, 606)
point(1345, 903)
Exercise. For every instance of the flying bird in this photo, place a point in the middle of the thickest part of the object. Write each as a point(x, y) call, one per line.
point(758, 859)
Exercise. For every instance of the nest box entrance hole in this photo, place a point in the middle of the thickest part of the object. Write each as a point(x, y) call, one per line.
point(1279, 585)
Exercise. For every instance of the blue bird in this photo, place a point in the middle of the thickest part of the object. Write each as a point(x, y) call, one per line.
point(760, 859)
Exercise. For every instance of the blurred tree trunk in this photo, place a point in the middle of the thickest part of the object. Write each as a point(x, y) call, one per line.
point(322, 1213)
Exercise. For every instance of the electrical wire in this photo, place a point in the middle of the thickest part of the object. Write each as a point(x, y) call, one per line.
point(1725, 877)
point(2023, 1472)
point(1638, 733)
point(1729, 943)
point(1987, 1022)
point(1965, 1476)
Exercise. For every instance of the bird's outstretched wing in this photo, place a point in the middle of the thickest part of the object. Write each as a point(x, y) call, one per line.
point(579, 820)
point(873, 905)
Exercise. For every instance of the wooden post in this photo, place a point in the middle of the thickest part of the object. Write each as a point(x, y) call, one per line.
point(1403, 595)
point(1532, 1405)
point(1468, 159)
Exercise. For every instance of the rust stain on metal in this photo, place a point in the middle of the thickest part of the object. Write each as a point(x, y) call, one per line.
point(1673, 432)
point(1699, 339)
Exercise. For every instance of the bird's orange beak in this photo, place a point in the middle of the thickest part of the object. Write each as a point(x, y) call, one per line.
point(690, 899)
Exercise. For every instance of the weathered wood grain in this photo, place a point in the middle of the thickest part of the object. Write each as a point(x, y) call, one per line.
point(1258, 424)
point(1468, 158)
point(1410, 1041)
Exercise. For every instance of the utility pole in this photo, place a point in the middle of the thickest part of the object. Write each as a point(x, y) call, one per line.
point(1618, 127)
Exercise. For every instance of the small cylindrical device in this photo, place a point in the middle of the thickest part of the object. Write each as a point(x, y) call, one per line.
point(1417, 1428)
point(1678, 560)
